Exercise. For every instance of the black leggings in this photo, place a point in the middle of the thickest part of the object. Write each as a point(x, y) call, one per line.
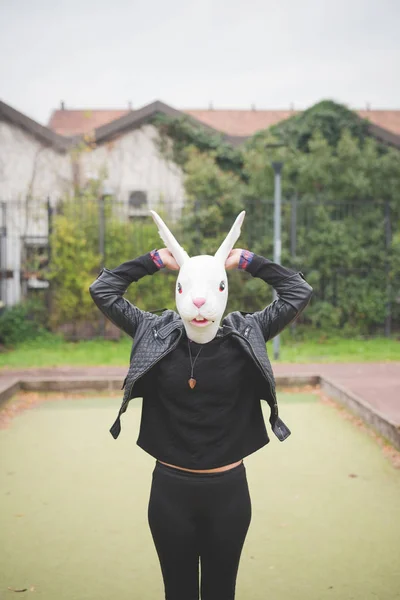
point(196, 516)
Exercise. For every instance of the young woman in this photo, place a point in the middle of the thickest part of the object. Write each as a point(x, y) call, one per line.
point(201, 380)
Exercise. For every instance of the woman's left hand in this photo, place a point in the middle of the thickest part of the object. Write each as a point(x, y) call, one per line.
point(232, 262)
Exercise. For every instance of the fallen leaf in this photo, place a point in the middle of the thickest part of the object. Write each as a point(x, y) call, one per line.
point(15, 590)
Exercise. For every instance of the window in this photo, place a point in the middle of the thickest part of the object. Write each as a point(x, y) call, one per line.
point(138, 204)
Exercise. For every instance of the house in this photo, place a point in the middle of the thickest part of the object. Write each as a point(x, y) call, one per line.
point(39, 165)
point(126, 143)
point(34, 165)
point(238, 124)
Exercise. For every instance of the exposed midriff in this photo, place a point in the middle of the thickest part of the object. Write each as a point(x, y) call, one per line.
point(224, 468)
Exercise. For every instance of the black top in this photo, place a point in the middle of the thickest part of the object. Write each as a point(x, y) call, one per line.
point(216, 423)
point(220, 421)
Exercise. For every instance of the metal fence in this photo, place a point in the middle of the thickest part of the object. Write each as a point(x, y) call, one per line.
point(26, 226)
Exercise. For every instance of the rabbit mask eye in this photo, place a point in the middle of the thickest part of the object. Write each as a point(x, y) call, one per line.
point(179, 288)
point(222, 286)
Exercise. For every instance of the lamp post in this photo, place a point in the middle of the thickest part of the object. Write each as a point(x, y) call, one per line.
point(277, 166)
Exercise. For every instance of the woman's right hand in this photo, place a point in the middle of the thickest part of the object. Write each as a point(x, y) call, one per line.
point(168, 260)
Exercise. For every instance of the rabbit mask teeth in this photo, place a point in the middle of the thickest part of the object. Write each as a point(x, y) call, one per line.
point(202, 283)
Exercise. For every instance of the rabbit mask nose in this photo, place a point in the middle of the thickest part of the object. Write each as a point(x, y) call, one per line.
point(199, 302)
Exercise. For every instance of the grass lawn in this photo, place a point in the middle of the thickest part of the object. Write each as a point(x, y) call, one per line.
point(73, 509)
point(53, 351)
point(340, 350)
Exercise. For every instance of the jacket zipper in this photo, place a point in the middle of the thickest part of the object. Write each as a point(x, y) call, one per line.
point(155, 333)
point(151, 366)
point(244, 337)
point(246, 332)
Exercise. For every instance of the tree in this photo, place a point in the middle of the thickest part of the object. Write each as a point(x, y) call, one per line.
point(344, 181)
point(327, 117)
point(76, 260)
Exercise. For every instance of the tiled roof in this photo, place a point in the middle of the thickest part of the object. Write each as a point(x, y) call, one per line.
point(233, 122)
point(44, 134)
point(247, 122)
point(240, 122)
point(387, 119)
point(74, 122)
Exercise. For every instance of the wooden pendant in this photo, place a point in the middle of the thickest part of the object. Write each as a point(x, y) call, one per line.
point(192, 382)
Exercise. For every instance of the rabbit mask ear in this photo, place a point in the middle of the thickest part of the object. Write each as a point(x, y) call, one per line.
point(230, 240)
point(169, 240)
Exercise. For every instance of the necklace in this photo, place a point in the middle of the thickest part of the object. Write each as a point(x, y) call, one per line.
point(192, 382)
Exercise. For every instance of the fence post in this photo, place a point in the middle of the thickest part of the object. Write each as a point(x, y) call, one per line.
point(102, 231)
point(197, 225)
point(277, 166)
point(293, 227)
point(49, 226)
point(50, 210)
point(3, 253)
point(293, 242)
point(388, 241)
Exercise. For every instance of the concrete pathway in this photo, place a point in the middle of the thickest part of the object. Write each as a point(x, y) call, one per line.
point(376, 383)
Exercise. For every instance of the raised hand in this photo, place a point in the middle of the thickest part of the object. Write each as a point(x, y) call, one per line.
point(232, 262)
point(168, 259)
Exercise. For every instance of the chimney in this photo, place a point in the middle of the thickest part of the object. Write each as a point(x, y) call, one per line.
point(210, 106)
point(292, 106)
point(368, 106)
point(253, 107)
point(62, 105)
point(130, 105)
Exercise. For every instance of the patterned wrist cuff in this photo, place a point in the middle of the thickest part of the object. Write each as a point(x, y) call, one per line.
point(156, 258)
point(245, 259)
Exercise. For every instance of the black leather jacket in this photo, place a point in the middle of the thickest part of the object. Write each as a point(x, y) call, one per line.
point(154, 336)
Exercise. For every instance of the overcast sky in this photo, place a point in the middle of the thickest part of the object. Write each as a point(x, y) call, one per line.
point(189, 53)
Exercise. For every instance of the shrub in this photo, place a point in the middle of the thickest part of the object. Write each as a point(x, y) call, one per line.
point(22, 322)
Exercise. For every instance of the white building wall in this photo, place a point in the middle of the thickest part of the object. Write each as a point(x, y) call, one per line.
point(27, 166)
point(29, 169)
point(133, 162)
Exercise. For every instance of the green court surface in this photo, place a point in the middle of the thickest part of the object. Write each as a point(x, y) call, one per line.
point(73, 508)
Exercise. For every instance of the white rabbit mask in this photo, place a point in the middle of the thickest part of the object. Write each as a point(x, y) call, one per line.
point(201, 291)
